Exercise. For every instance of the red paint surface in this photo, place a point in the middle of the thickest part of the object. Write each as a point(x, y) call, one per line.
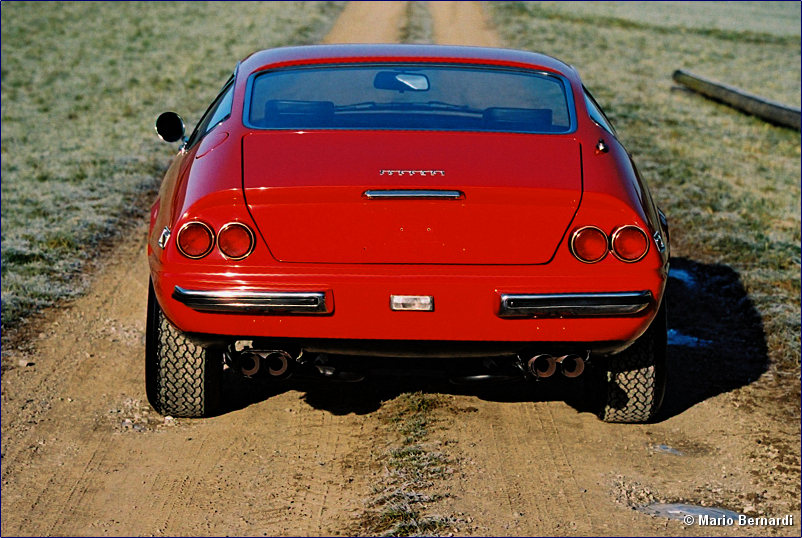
point(518, 201)
point(524, 195)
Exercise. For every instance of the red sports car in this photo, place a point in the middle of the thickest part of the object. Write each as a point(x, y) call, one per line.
point(340, 204)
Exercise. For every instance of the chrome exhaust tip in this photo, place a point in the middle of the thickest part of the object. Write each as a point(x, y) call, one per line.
point(278, 364)
point(542, 366)
point(571, 365)
point(250, 364)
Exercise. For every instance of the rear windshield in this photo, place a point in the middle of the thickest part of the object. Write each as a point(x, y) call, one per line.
point(451, 98)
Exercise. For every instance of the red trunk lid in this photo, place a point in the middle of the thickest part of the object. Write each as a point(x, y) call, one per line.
point(306, 191)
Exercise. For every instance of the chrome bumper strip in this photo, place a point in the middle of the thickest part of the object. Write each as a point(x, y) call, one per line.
point(253, 302)
point(414, 194)
point(573, 305)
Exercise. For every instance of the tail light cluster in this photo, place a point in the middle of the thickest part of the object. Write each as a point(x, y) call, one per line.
point(196, 239)
point(590, 244)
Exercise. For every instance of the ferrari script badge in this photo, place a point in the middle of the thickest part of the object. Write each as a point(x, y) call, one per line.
point(412, 172)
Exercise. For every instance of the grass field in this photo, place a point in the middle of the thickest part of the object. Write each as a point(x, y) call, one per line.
point(762, 17)
point(729, 182)
point(82, 83)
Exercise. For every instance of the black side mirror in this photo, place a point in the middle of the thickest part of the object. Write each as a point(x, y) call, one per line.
point(170, 127)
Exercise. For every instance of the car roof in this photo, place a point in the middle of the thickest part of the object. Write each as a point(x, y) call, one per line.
point(316, 54)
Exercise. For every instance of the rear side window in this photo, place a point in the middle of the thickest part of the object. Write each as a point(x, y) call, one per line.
point(596, 113)
point(410, 96)
point(222, 111)
point(219, 110)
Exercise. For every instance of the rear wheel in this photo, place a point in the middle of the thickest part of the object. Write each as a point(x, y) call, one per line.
point(633, 382)
point(182, 378)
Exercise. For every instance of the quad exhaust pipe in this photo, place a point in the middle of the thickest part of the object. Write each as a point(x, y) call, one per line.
point(275, 363)
point(278, 364)
point(543, 365)
point(571, 365)
point(250, 364)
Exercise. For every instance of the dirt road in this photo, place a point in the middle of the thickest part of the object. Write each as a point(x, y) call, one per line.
point(368, 22)
point(462, 23)
point(83, 454)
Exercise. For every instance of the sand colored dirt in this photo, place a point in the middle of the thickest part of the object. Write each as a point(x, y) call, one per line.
point(462, 23)
point(368, 22)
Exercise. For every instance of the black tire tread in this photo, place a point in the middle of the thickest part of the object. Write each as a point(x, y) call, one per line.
point(634, 380)
point(184, 378)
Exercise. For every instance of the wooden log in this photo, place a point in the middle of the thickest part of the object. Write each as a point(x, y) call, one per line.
point(771, 111)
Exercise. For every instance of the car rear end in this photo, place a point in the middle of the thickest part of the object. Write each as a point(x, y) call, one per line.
point(430, 208)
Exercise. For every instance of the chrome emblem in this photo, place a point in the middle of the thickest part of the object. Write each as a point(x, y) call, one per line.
point(165, 235)
point(412, 172)
point(658, 240)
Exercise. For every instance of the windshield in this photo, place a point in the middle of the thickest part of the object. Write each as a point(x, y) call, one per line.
point(407, 96)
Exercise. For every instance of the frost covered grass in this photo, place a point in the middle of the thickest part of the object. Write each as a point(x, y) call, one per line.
point(770, 18)
point(728, 182)
point(403, 500)
point(82, 83)
point(417, 28)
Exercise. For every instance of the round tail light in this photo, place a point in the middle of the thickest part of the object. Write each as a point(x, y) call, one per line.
point(195, 239)
point(589, 244)
point(235, 241)
point(630, 243)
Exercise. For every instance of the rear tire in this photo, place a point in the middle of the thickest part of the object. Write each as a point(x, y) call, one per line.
point(182, 378)
point(633, 382)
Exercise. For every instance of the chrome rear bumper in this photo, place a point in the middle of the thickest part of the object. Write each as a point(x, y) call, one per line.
point(573, 305)
point(254, 302)
point(568, 305)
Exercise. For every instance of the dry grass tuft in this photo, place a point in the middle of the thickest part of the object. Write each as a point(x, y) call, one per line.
point(417, 28)
point(413, 469)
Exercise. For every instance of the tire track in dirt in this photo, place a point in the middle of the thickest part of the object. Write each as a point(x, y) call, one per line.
point(511, 455)
point(368, 22)
point(462, 23)
point(564, 470)
point(50, 515)
point(323, 441)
